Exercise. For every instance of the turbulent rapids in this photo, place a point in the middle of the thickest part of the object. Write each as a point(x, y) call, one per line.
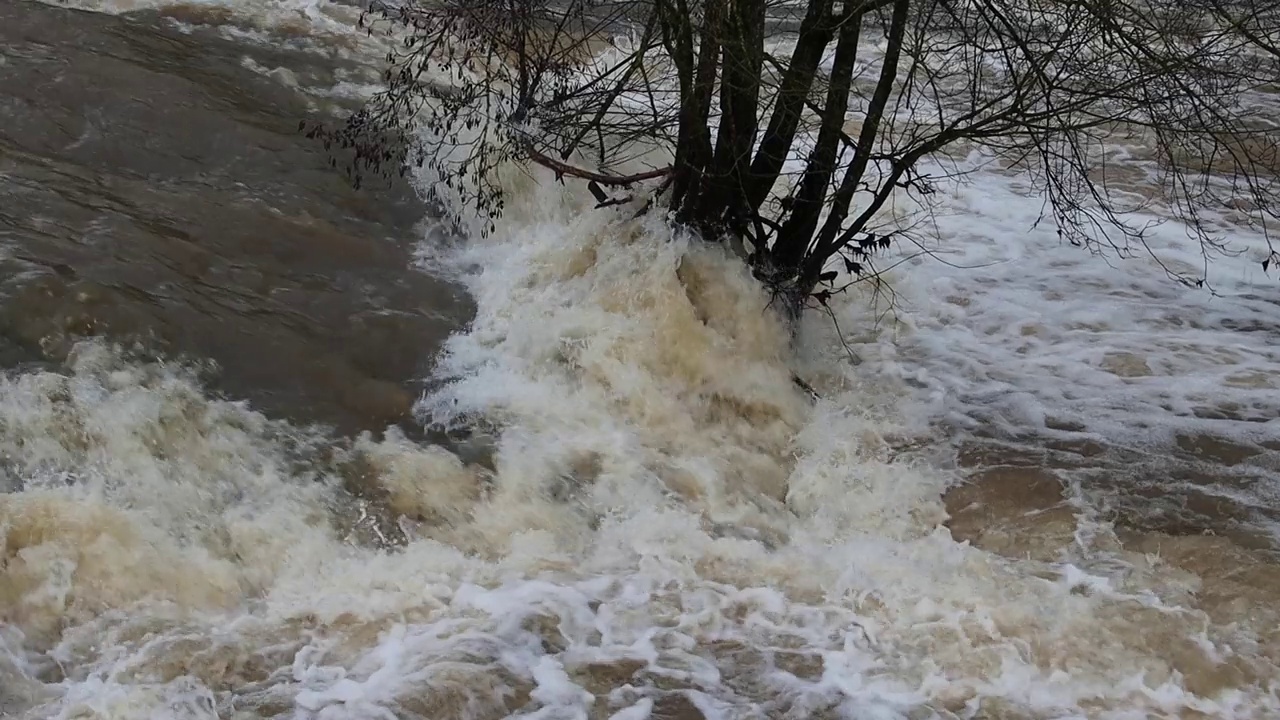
point(663, 525)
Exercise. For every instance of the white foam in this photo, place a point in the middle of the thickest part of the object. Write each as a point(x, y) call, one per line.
point(874, 520)
point(320, 26)
point(321, 15)
point(670, 521)
point(888, 613)
point(1009, 329)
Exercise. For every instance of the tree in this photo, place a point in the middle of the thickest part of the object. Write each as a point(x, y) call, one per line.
point(788, 127)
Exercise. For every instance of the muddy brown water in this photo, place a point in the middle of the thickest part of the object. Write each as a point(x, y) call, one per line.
point(156, 192)
point(1017, 500)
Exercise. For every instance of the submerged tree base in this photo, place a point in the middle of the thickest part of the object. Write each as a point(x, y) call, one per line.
point(794, 144)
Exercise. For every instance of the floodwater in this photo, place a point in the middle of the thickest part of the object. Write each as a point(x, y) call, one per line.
point(155, 188)
point(1047, 490)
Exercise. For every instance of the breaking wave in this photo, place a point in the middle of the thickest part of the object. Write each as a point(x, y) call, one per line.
point(668, 527)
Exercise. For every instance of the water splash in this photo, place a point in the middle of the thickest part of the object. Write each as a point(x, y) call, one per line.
point(669, 529)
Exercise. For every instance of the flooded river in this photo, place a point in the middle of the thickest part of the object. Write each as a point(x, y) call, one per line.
point(234, 484)
point(155, 189)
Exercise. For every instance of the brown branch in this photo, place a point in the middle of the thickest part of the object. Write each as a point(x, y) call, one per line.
point(563, 168)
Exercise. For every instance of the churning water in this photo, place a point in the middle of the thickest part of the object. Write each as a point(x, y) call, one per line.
point(1046, 491)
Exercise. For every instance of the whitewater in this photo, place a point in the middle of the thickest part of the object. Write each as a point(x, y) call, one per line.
point(669, 527)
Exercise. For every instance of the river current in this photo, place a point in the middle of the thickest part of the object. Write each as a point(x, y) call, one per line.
point(271, 447)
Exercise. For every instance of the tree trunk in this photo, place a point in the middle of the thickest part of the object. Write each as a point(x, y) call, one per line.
point(815, 35)
point(797, 233)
